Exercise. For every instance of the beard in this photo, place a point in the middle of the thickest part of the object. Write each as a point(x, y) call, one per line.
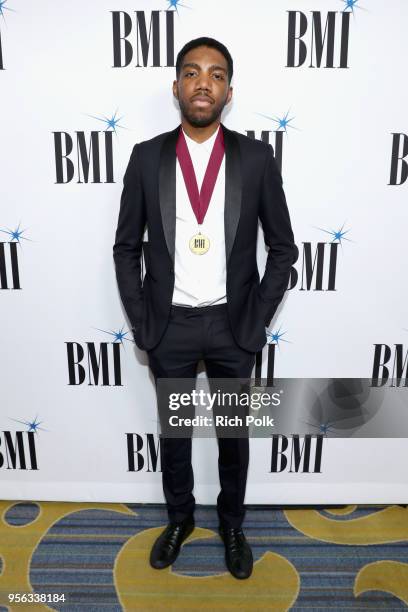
point(201, 117)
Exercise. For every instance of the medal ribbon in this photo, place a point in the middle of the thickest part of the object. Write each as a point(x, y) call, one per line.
point(200, 200)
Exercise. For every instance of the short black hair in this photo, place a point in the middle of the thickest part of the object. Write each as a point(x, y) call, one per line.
point(205, 41)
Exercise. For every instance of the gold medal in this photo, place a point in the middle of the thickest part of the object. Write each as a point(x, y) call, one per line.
point(199, 244)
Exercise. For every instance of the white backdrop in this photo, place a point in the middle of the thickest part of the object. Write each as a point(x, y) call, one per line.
point(57, 76)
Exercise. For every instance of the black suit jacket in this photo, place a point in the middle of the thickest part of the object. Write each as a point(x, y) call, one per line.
point(253, 189)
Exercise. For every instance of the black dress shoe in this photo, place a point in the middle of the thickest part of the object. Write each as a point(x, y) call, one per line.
point(238, 554)
point(167, 546)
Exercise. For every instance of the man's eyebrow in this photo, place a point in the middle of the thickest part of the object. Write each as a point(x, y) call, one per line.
point(194, 65)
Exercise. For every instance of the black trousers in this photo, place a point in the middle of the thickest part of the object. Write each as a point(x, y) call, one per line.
point(195, 334)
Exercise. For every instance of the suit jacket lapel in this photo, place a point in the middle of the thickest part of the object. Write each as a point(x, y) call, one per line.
point(167, 189)
point(233, 189)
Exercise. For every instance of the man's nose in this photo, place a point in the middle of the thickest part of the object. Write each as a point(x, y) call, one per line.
point(203, 82)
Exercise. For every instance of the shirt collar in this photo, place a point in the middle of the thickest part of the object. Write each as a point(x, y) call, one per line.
point(207, 144)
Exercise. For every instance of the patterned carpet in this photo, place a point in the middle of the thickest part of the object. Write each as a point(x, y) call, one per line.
point(354, 558)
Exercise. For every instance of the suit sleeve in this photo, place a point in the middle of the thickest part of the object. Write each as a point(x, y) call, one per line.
point(127, 249)
point(278, 234)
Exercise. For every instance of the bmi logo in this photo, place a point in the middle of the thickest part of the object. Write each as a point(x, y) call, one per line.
point(86, 156)
point(199, 243)
point(9, 264)
point(390, 365)
point(18, 448)
point(320, 39)
point(399, 165)
point(319, 263)
point(288, 454)
point(143, 37)
point(283, 123)
point(96, 363)
point(142, 452)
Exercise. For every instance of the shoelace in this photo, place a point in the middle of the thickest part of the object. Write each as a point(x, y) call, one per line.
point(171, 534)
point(235, 538)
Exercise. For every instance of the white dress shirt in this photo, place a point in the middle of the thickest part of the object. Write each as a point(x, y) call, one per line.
point(200, 280)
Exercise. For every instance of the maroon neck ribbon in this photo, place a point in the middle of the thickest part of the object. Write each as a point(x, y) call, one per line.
point(200, 200)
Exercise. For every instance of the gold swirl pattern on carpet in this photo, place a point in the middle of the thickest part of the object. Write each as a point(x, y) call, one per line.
point(98, 553)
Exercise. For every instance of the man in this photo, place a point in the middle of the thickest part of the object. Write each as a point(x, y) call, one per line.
point(200, 190)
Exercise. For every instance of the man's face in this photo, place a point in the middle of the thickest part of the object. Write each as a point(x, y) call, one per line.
point(202, 89)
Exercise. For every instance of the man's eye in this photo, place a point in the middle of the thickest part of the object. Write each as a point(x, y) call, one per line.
point(219, 76)
point(188, 73)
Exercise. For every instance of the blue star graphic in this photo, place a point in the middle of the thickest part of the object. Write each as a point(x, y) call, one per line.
point(283, 123)
point(119, 336)
point(33, 425)
point(337, 235)
point(323, 428)
point(350, 4)
point(111, 123)
point(3, 7)
point(174, 4)
point(275, 337)
point(16, 234)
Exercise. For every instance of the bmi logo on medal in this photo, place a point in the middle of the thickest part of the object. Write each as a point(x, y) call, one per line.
point(199, 244)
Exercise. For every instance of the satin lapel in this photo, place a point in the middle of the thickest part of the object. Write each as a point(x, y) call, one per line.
point(167, 189)
point(233, 188)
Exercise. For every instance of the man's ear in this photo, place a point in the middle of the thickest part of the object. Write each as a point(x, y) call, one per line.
point(175, 89)
point(229, 96)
